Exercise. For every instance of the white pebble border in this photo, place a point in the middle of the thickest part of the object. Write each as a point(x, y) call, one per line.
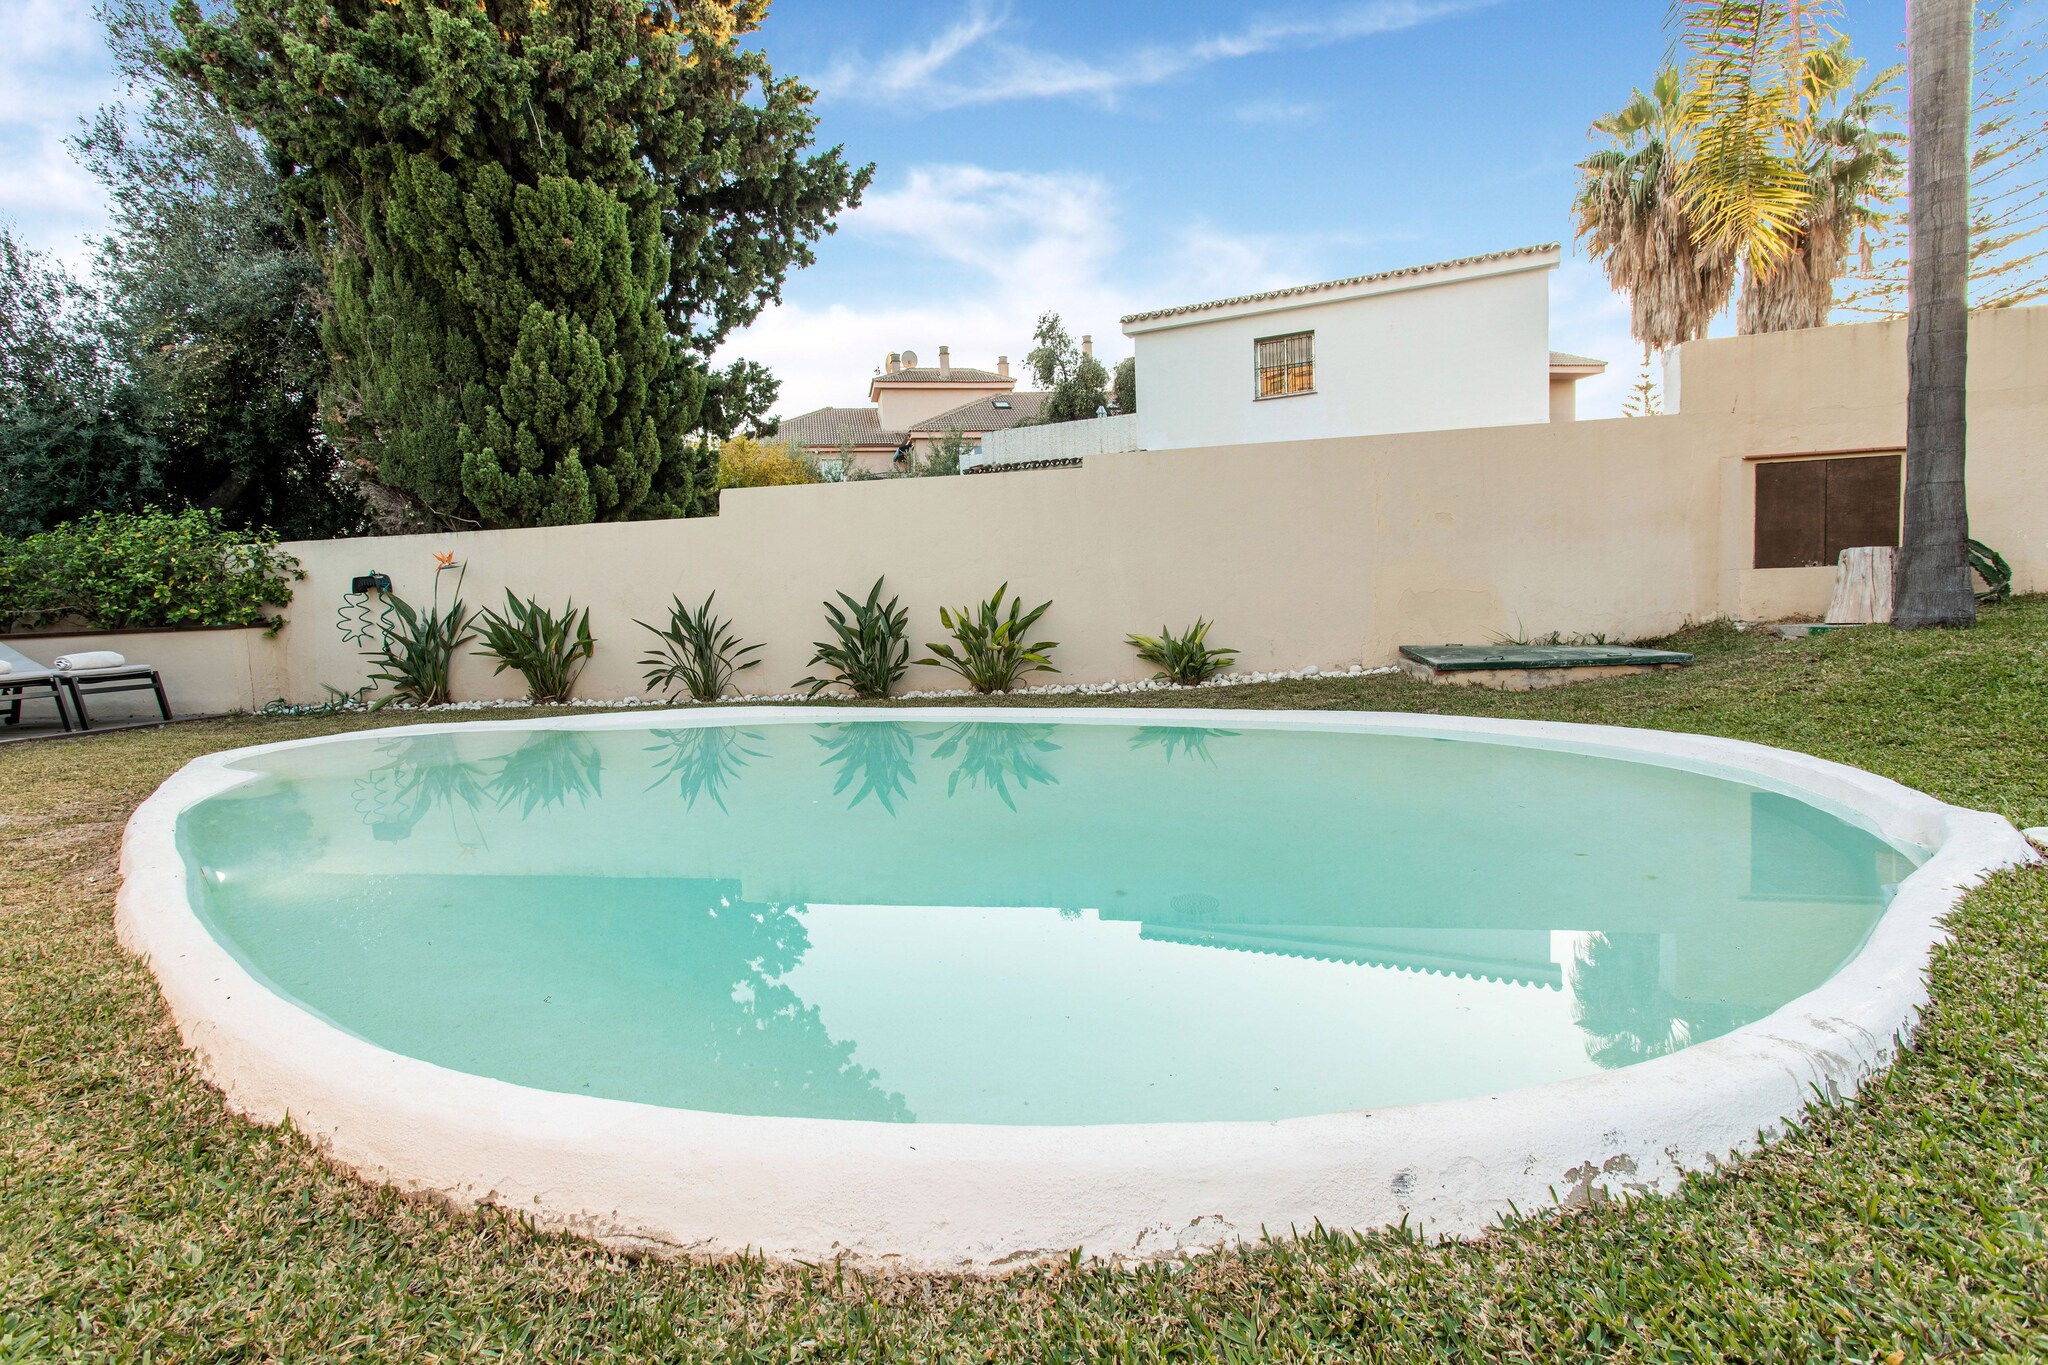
point(1103, 689)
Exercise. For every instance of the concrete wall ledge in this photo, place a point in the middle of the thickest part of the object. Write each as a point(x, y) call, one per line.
point(102, 632)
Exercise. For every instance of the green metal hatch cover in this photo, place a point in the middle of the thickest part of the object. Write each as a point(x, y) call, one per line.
point(1471, 658)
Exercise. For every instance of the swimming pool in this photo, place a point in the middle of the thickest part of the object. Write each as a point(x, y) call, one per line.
point(958, 988)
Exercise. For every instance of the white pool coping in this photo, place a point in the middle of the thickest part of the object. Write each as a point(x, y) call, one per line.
point(982, 1197)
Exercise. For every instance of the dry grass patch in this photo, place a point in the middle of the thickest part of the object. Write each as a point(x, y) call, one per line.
point(139, 1222)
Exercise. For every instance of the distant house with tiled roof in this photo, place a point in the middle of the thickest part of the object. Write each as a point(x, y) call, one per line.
point(1461, 343)
point(912, 409)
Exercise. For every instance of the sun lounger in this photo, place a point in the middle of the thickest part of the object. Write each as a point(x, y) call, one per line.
point(109, 674)
point(27, 680)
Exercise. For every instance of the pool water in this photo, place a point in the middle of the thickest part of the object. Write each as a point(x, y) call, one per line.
point(1004, 922)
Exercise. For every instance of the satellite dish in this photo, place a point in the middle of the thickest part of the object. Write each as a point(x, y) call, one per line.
point(910, 360)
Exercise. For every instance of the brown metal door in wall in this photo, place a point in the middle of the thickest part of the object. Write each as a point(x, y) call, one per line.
point(1809, 511)
point(1791, 517)
point(1862, 504)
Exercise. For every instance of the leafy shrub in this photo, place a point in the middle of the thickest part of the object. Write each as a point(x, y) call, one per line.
point(944, 457)
point(419, 647)
point(1184, 659)
point(869, 651)
point(549, 651)
point(992, 653)
point(1990, 566)
point(744, 462)
point(115, 571)
point(697, 650)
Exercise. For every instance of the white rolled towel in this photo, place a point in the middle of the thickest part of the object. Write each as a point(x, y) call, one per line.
point(92, 658)
point(6, 667)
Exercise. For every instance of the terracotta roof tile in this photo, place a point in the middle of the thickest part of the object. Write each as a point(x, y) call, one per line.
point(833, 426)
point(984, 416)
point(1305, 289)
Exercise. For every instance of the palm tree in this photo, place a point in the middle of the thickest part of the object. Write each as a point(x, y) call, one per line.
point(1933, 583)
point(1756, 160)
point(1739, 173)
point(1851, 171)
point(1630, 216)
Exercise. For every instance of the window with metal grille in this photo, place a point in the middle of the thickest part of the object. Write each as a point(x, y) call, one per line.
point(1286, 365)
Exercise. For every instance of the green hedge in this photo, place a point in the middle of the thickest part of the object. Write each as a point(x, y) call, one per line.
point(119, 571)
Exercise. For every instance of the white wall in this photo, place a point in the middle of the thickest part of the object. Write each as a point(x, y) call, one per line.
point(1317, 552)
point(1474, 352)
point(1059, 441)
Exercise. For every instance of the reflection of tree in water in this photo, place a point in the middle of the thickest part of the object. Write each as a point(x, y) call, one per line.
point(548, 769)
point(734, 954)
point(419, 776)
point(995, 754)
point(704, 760)
point(262, 827)
point(878, 754)
point(1177, 740)
point(1619, 1000)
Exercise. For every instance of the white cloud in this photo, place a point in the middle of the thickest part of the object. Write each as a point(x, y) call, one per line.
point(1589, 318)
point(54, 68)
point(1021, 244)
point(994, 71)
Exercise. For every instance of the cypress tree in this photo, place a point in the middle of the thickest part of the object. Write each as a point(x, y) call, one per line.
point(536, 219)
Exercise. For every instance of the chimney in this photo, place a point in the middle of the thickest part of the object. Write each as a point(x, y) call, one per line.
point(895, 362)
point(945, 362)
point(1088, 347)
point(1003, 366)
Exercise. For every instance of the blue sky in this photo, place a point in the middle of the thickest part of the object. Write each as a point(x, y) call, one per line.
point(1099, 159)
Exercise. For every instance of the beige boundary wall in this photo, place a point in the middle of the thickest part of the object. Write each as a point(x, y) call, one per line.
point(1303, 553)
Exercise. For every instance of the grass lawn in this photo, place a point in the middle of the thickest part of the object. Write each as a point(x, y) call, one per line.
point(138, 1221)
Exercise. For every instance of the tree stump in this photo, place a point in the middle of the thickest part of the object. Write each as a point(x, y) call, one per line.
point(1863, 586)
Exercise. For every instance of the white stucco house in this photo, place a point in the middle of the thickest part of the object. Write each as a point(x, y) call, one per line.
point(1463, 343)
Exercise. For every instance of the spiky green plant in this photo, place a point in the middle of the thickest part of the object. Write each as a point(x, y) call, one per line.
point(870, 649)
point(547, 650)
point(418, 647)
point(1991, 566)
point(992, 651)
point(697, 650)
point(1184, 659)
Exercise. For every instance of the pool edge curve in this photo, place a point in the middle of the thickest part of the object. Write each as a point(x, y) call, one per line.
point(988, 1197)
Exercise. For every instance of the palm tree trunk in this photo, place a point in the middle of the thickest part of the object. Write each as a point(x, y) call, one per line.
point(1933, 584)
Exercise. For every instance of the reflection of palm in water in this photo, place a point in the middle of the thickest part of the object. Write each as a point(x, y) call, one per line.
point(547, 770)
point(428, 773)
point(1177, 740)
point(880, 755)
point(994, 754)
point(1627, 1014)
point(421, 775)
point(704, 760)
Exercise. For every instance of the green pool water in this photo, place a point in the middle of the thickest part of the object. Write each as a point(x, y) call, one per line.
point(1021, 923)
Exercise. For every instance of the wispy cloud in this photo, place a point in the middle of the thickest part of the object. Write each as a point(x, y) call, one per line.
point(53, 68)
point(1259, 113)
point(997, 71)
point(1017, 244)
